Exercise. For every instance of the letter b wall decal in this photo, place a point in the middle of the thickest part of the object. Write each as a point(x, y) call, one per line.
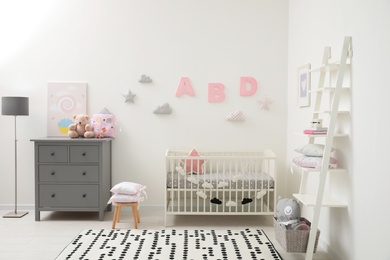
point(216, 92)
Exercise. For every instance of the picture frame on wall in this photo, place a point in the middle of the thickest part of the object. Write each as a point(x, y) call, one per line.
point(64, 100)
point(304, 81)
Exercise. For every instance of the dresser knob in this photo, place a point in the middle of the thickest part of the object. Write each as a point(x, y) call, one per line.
point(84, 195)
point(84, 173)
point(53, 153)
point(84, 154)
point(53, 195)
point(53, 173)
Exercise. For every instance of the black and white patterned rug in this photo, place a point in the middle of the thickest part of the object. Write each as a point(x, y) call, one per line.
point(167, 244)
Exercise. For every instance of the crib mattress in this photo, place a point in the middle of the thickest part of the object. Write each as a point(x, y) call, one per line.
point(220, 180)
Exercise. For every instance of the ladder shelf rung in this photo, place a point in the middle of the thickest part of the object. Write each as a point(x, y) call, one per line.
point(328, 89)
point(310, 200)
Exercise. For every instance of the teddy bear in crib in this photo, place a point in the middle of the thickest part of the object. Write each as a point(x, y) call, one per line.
point(80, 127)
point(288, 212)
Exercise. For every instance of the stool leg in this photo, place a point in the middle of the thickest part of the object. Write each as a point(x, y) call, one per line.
point(139, 218)
point(114, 220)
point(118, 217)
point(135, 216)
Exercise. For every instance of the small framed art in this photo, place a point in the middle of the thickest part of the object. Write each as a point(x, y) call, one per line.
point(63, 101)
point(304, 85)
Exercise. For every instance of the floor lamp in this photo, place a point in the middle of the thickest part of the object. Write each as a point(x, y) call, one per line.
point(15, 106)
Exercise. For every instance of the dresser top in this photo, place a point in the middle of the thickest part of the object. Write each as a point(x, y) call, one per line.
point(68, 139)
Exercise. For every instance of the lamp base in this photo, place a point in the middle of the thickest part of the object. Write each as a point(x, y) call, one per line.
point(14, 214)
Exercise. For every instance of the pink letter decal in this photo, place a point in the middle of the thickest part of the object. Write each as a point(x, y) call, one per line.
point(216, 92)
point(243, 86)
point(185, 87)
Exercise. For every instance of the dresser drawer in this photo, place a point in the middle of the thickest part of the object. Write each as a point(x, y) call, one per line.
point(71, 196)
point(68, 173)
point(84, 154)
point(53, 154)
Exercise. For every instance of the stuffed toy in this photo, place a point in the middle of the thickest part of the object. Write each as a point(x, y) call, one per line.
point(81, 127)
point(288, 212)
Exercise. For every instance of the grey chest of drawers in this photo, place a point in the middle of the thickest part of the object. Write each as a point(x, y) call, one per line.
point(72, 175)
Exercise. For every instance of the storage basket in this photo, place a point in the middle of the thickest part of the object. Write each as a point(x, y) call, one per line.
point(294, 241)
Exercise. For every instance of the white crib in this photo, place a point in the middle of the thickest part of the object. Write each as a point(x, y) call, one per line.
point(220, 183)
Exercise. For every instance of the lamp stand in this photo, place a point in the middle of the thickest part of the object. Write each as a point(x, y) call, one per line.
point(15, 213)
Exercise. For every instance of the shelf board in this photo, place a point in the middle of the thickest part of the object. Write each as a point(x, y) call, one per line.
point(329, 112)
point(310, 201)
point(327, 67)
point(331, 170)
point(323, 135)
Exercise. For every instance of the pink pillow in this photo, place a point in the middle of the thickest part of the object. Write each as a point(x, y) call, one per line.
point(104, 125)
point(129, 188)
point(194, 165)
point(117, 197)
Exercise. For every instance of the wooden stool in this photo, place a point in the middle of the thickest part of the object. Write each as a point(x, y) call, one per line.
point(117, 212)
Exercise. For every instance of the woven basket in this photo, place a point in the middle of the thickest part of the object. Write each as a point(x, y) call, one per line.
point(294, 241)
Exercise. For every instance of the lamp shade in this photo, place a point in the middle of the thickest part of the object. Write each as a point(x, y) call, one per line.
point(14, 106)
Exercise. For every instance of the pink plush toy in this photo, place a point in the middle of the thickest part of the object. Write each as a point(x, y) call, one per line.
point(81, 127)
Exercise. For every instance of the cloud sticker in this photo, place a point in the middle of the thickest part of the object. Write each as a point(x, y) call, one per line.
point(145, 79)
point(223, 184)
point(207, 185)
point(163, 109)
point(236, 116)
point(260, 194)
point(180, 170)
point(193, 180)
point(201, 194)
point(231, 203)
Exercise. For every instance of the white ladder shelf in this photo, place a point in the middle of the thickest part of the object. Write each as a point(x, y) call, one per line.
point(317, 201)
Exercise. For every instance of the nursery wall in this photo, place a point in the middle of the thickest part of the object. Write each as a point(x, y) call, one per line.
point(353, 233)
point(110, 44)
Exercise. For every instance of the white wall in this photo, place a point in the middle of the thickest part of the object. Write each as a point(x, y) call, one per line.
point(110, 44)
point(358, 232)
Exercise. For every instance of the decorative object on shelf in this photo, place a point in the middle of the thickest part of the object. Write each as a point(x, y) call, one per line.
point(15, 106)
point(64, 100)
point(265, 103)
point(145, 79)
point(129, 97)
point(236, 116)
point(316, 124)
point(316, 131)
point(163, 109)
point(104, 124)
point(81, 127)
point(304, 85)
point(312, 150)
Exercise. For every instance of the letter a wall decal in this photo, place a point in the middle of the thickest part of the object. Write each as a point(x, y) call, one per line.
point(244, 82)
point(185, 87)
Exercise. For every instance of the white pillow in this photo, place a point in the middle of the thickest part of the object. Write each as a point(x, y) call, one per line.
point(312, 149)
point(117, 197)
point(313, 162)
point(129, 188)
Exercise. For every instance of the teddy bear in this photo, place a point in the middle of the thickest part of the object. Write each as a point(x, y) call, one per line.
point(81, 127)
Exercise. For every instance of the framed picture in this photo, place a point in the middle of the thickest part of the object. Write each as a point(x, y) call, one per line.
point(304, 85)
point(63, 101)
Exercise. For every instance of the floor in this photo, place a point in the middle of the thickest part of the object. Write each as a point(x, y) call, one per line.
point(27, 239)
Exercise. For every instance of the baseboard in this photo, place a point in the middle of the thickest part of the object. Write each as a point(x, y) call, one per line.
point(32, 207)
point(19, 207)
point(328, 249)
